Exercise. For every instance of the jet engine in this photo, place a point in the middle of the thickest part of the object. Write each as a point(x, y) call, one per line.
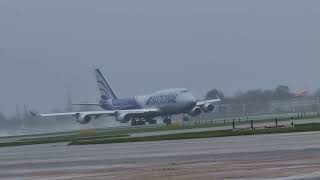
point(207, 107)
point(123, 118)
point(83, 119)
point(195, 111)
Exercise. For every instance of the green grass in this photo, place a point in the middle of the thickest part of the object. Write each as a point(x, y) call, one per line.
point(40, 135)
point(207, 134)
point(57, 139)
point(75, 138)
point(203, 124)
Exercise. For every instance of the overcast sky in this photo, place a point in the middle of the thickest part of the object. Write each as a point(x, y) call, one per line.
point(47, 47)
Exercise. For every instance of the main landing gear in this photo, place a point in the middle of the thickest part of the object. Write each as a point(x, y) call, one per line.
point(141, 122)
point(167, 121)
point(137, 123)
point(151, 121)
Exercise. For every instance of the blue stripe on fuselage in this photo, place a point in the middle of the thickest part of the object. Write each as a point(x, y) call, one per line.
point(120, 104)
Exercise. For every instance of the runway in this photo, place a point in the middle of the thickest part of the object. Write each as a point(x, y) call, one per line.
point(294, 155)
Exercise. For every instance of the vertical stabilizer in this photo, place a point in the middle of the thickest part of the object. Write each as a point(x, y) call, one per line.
point(105, 89)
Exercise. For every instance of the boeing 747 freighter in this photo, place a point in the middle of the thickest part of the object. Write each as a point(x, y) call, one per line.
point(140, 110)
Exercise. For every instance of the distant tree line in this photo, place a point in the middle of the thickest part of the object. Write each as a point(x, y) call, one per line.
point(256, 101)
point(256, 95)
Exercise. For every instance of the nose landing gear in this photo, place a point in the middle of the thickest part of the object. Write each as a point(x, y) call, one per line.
point(140, 122)
point(185, 118)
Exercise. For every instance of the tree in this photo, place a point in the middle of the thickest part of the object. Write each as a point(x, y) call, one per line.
point(268, 94)
point(2, 117)
point(282, 92)
point(317, 93)
point(3, 122)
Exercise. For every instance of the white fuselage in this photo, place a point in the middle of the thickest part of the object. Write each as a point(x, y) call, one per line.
point(170, 101)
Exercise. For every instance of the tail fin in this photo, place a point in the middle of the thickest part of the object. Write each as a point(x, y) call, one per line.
point(104, 87)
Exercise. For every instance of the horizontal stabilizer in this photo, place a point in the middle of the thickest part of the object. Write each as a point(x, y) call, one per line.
point(33, 113)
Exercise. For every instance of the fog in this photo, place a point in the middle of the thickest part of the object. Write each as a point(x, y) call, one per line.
point(50, 47)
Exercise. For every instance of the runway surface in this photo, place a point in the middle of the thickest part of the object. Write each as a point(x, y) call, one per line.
point(294, 156)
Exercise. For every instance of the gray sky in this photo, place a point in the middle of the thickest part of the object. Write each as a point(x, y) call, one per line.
point(47, 47)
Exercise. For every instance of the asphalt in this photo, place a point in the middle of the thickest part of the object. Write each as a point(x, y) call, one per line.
point(283, 156)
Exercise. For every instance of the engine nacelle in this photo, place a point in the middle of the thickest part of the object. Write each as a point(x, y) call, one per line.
point(123, 118)
point(195, 111)
point(207, 108)
point(83, 119)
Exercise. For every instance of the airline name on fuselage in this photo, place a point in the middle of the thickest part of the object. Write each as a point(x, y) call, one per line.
point(162, 99)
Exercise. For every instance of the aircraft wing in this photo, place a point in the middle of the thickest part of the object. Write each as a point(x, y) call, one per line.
point(74, 113)
point(101, 113)
point(201, 103)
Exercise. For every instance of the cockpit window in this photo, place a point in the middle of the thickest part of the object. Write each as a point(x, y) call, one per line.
point(184, 91)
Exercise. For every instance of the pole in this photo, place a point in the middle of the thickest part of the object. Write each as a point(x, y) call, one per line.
point(233, 125)
point(251, 124)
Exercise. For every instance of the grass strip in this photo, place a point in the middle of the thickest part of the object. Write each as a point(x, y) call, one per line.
point(188, 125)
point(206, 134)
point(57, 139)
point(201, 124)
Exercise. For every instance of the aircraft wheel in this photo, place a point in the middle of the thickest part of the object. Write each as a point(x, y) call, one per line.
point(153, 121)
point(167, 121)
point(133, 122)
point(185, 119)
point(141, 122)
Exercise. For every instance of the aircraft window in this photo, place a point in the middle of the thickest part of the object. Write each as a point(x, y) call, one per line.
point(184, 91)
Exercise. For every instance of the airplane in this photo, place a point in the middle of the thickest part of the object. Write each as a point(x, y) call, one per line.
point(302, 93)
point(140, 110)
